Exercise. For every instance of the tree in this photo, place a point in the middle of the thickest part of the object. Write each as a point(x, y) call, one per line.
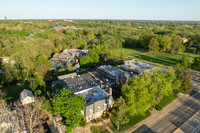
point(197, 37)
point(154, 45)
point(94, 56)
point(58, 86)
point(69, 105)
point(11, 73)
point(69, 67)
point(38, 82)
point(32, 115)
point(120, 112)
point(196, 63)
point(177, 45)
point(42, 60)
point(165, 44)
point(43, 70)
point(86, 61)
point(145, 91)
point(146, 39)
point(182, 73)
point(184, 61)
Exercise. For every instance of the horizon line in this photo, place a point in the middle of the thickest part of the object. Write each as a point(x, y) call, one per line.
point(100, 19)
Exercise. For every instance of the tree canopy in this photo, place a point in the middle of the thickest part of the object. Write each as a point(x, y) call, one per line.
point(69, 105)
point(145, 91)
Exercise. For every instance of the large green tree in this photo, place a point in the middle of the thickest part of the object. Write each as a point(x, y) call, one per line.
point(154, 45)
point(145, 91)
point(120, 112)
point(165, 43)
point(69, 105)
point(183, 75)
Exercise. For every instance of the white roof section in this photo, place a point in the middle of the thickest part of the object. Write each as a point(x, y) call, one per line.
point(26, 93)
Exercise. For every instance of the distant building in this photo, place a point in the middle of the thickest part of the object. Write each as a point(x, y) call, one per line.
point(4, 59)
point(98, 101)
point(136, 66)
point(60, 60)
point(26, 97)
point(5, 18)
point(61, 28)
point(185, 40)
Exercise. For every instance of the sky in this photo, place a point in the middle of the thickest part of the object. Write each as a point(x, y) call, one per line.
point(101, 9)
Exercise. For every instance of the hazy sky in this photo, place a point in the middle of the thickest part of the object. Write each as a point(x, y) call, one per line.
point(101, 9)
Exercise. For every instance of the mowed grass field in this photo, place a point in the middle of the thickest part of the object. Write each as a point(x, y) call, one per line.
point(127, 51)
point(166, 59)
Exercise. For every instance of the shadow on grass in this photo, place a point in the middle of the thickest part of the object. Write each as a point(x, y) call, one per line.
point(13, 91)
point(160, 60)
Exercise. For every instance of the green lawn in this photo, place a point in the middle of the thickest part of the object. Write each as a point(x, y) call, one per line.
point(167, 100)
point(128, 51)
point(98, 129)
point(164, 58)
point(13, 91)
point(133, 120)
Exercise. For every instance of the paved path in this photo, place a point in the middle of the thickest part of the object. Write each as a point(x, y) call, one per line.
point(174, 118)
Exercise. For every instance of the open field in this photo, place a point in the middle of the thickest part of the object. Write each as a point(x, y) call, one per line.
point(165, 59)
point(127, 51)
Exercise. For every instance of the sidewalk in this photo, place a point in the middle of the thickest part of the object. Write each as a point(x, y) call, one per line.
point(155, 115)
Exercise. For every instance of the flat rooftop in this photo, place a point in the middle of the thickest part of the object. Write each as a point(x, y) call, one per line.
point(114, 71)
point(78, 83)
point(136, 66)
point(94, 94)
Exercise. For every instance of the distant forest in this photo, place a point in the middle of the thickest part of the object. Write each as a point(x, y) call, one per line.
point(26, 40)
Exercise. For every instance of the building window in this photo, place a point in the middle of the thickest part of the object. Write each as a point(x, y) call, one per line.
point(98, 108)
point(90, 117)
point(91, 111)
point(98, 113)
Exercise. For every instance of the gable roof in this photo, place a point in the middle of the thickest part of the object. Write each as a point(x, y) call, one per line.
point(26, 93)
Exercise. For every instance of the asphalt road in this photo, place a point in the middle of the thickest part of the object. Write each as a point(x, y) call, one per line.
point(175, 118)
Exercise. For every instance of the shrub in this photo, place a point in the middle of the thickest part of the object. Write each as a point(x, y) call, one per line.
point(82, 123)
point(105, 116)
point(158, 107)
